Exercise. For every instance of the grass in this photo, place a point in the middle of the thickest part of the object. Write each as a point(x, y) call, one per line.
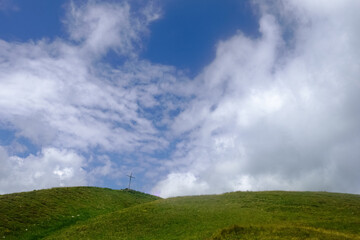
point(36, 214)
point(238, 215)
point(279, 232)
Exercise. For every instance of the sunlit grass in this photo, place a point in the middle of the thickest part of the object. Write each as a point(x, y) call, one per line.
point(241, 215)
point(95, 213)
point(32, 215)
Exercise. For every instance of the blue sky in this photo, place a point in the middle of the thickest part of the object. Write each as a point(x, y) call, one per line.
point(185, 36)
point(193, 97)
point(188, 31)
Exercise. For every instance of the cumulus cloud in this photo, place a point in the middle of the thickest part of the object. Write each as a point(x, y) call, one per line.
point(275, 112)
point(51, 94)
point(51, 167)
point(63, 98)
point(185, 183)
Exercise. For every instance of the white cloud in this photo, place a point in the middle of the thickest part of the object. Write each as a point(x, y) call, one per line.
point(49, 168)
point(276, 112)
point(61, 95)
point(51, 94)
point(98, 27)
point(183, 184)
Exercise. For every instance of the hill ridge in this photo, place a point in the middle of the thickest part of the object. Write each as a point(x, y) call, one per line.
point(35, 214)
point(297, 215)
point(129, 214)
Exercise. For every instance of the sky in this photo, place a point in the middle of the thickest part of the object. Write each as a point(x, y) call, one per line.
point(191, 97)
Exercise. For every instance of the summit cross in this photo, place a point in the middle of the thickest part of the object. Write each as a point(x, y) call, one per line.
point(130, 177)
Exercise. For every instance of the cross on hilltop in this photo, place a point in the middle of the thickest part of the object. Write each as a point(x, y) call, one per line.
point(130, 177)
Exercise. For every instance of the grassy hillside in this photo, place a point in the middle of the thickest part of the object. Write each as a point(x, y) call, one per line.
point(96, 213)
point(240, 215)
point(33, 215)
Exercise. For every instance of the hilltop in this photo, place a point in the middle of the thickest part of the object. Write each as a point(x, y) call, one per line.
point(237, 215)
point(36, 214)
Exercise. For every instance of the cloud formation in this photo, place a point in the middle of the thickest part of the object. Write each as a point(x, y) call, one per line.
point(51, 93)
point(63, 98)
point(98, 27)
point(51, 167)
point(276, 112)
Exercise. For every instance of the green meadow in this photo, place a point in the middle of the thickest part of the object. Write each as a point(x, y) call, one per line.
point(95, 213)
point(36, 214)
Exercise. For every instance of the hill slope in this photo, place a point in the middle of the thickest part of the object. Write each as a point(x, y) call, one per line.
point(32, 215)
point(240, 215)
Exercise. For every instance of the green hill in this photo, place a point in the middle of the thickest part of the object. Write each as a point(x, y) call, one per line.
point(238, 215)
point(33, 215)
